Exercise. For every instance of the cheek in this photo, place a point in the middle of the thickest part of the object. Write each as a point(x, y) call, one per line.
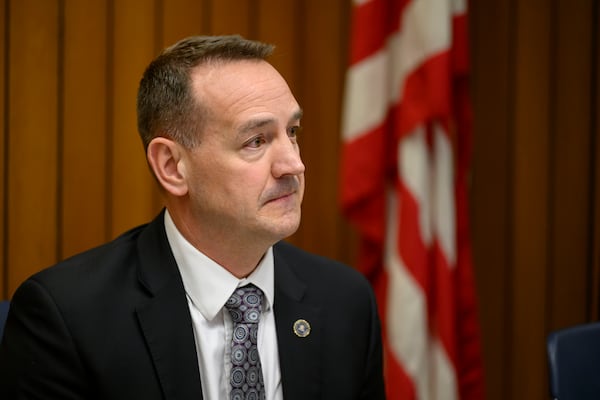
point(226, 178)
point(205, 180)
point(238, 184)
point(246, 183)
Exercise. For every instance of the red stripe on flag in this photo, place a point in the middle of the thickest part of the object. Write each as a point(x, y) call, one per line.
point(443, 313)
point(410, 243)
point(372, 24)
point(366, 169)
point(426, 95)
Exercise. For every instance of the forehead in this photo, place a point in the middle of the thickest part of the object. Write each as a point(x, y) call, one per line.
point(241, 90)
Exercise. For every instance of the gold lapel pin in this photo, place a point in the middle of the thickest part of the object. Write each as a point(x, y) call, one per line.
point(302, 328)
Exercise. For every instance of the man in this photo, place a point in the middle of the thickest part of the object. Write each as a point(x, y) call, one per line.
point(149, 315)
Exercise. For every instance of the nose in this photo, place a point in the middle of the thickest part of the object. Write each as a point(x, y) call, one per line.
point(286, 159)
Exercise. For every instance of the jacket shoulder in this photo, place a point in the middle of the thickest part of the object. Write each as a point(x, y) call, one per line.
point(315, 269)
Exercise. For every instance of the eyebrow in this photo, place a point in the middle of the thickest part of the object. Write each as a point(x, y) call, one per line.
point(297, 115)
point(258, 123)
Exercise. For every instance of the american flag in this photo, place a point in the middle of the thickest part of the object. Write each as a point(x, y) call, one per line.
point(405, 161)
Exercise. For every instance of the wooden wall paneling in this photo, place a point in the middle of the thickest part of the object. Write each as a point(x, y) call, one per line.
point(3, 135)
point(322, 60)
point(85, 130)
point(491, 89)
point(231, 17)
point(531, 191)
point(182, 18)
point(594, 289)
point(570, 167)
point(135, 44)
point(33, 137)
point(277, 23)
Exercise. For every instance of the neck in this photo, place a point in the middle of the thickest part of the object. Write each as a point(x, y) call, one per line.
point(239, 257)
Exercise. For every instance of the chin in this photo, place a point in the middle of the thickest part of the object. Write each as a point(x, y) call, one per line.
point(283, 229)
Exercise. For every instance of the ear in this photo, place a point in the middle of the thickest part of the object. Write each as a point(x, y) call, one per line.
point(165, 159)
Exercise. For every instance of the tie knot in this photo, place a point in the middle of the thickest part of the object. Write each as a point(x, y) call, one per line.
point(244, 305)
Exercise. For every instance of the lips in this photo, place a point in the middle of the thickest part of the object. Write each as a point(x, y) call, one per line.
point(280, 197)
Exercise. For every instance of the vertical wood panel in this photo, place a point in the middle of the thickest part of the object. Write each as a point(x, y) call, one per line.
point(182, 18)
point(32, 164)
point(322, 61)
point(134, 194)
point(571, 194)
point(594, 288)
point(3, 134)
point(491, 83)
point(84, 191)
point(230, 17)
point(530, 223)
point(275, 24)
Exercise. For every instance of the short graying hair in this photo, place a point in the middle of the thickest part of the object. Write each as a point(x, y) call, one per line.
point(165, 103)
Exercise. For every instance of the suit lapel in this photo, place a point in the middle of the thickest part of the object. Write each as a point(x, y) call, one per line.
point(164, 319)
point(299, 357)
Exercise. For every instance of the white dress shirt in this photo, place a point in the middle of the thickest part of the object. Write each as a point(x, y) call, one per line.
point(208, 286)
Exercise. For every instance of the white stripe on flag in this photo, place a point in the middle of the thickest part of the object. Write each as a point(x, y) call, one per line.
point(366, 99)
point(459, 7)
point(443, 376)
point(444, 211)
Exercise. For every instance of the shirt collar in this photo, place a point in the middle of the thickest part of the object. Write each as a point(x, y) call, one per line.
point(207, 283)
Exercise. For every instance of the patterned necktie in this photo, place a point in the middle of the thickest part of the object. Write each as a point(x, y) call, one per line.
point(246, 377)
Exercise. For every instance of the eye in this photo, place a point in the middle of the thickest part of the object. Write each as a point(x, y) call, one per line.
point(294, 131)
point(255, 142)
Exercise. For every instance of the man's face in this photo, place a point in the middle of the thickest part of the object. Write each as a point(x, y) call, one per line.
point(245, 177)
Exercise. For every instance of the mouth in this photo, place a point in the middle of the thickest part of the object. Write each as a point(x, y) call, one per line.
point(281, 197)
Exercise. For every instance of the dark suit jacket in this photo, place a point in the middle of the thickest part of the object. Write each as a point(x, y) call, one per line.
point(113, 323)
